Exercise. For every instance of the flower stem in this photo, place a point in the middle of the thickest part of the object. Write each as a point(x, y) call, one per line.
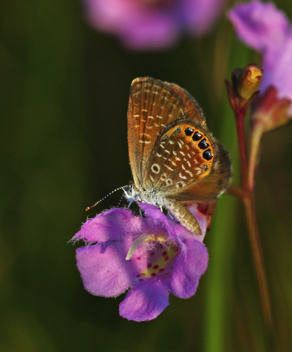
point(242, 149)
point(256, 137)
point(249, 205)
point(255, 243)
point(236, 191)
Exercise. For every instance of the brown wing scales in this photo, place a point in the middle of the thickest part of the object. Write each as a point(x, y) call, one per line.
point(153, 105)
point(178, 160)
point(215, 183)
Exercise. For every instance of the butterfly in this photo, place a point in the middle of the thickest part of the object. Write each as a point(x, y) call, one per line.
point(174, 157)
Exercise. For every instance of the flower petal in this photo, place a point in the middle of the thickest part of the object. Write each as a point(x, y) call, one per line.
point(139, 26)
point(150, 32)
point(175, 230)
point(267, 29)
point(145, 301)
point(201, 218)
point(278, 70)
point(260, 25)
point(109, 15)
point(111, 225)
point(189, 267)
point(200, 15)
point(155, 217)
point(154, 25)
point(104, 270)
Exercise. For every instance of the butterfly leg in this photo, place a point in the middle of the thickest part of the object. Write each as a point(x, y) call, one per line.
point(185, 217)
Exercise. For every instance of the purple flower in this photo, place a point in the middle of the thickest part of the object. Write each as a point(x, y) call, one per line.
point(152, 24)
point(267, 29)
point(152, 256)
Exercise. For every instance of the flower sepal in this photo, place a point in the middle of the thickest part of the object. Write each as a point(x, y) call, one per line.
point(246, 81)
point(244, 88)
point(269, 112)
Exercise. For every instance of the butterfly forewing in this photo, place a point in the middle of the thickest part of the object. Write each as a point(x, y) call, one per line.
point(153, 105)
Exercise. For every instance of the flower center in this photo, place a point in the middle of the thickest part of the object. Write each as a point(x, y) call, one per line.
point(145, 238)
point(160, 259)
point(159, 265)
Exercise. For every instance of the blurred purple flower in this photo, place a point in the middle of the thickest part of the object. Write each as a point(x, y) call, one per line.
point(267, 29)
point(152, 24)
point(151, 256)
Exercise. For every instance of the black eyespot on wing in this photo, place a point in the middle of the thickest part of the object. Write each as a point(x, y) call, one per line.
point(203, 144)
point(189, 131)
point(207, 155)
point(197, 136)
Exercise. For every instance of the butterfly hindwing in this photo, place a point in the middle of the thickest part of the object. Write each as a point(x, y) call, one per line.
point(215, 183)
point(180, 158)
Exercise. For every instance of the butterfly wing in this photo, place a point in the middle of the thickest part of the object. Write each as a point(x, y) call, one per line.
point(188, 163)
point(215, 183)
point(153, 105)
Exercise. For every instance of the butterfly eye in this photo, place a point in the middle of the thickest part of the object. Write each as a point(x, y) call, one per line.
point(203, 144)
point(197, 136)
point(189, 131)
point(207, 154)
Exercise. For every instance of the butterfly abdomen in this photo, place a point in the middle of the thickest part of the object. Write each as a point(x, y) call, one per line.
point(185, 217)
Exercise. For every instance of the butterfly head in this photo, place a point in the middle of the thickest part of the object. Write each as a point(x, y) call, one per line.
point(149, 196)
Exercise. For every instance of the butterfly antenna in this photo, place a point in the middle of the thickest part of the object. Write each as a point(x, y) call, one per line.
point(119, 203)
point(93, 205)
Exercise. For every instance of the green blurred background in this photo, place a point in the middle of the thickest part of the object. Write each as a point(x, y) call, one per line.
point(63, 103)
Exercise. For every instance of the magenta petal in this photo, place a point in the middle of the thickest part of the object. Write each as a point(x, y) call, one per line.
point(109, 15)
point(145, 301)
point(201, 218)
point(154, 25)
point(260, 25)
point(104, 270)
point(189, 267)
point(150, 32)
point(111, 225)
point(173, 229)
point(200, 15)
point(278, 71)
point(138, 26)
point(267, 29)
point(156, 216)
